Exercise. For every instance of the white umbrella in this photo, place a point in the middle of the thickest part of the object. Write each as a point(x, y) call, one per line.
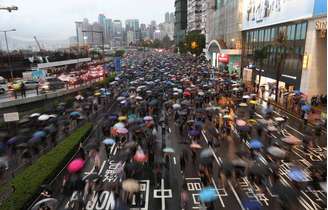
point(43, 117)
point(277, 152)
point(121, 98)
point(246, 97)
point(176, 106)
point(35, 115)
point(79, 97)
point(119, 125)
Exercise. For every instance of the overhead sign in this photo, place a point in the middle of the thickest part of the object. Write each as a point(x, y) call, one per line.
point(11, 117)
point(260, 13)
point(223, 58)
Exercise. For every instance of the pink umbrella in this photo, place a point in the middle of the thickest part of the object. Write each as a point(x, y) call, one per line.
point(140, 157)
point(75, 166)
point(195, 146)
point(291, 140)
point(122, 131)
point(240, 123)
point(148, 118)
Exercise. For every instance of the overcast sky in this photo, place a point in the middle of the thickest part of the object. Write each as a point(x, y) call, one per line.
point(54, 19)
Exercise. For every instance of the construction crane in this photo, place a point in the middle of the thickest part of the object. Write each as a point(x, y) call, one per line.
point(38, 43)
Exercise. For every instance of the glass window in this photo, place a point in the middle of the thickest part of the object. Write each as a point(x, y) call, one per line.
point(303, 31)
point(267, 35)
point(273, 34)
point(292, 32)
point(256, 38)
point(298, 31)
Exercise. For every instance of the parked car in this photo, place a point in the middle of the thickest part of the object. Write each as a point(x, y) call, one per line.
point(52, 83)
point(3, 85)
point(31, 84)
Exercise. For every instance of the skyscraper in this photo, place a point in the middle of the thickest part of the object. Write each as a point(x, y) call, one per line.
point(117, 37)
point(180, 24)
point(108, 30)
point(167, 17)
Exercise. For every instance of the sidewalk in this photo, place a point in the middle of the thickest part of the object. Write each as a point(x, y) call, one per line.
point(315, 115)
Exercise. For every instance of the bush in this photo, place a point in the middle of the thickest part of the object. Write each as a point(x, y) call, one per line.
point(28, 182)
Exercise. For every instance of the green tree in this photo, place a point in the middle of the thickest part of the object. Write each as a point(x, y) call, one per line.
point(259, 56)
point(119, 53)
point(156, 43)
point(166, 42)
point(195, 42)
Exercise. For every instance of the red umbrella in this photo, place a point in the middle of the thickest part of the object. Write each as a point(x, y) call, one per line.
point(186, 94)
point(75, 166)
point(140, 157)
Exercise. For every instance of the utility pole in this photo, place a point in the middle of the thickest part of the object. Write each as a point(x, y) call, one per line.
point(8, 54)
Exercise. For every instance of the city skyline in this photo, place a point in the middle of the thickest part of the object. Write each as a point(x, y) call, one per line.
point(55, 21)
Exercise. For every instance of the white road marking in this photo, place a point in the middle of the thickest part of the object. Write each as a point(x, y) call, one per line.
point(217, 192)
point(162, 194)
point(192, 178)
point(236, 195)
point(174, 161)
point(218, 160)
point(257, 114)
point(295, 130)
point(170, 130)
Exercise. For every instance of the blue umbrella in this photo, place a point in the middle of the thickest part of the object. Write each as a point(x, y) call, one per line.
point(113, 117)
point(39, 134)
point(297, 92)
point(207, 194)
point(109, 141)
point(306, 108)
point(255, 144)
point(252, 205)
point(34, 140)
point(297, 174)
point(75, 114)
point(194, 132)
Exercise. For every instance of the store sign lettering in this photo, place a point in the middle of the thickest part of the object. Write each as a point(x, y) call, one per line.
point(321, 26)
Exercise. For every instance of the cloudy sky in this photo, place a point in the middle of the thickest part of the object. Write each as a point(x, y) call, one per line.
point(54, 19)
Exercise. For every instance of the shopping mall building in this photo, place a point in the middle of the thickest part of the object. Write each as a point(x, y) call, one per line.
point(304, 22)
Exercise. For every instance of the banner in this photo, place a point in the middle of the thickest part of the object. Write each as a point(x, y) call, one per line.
point(260, 13)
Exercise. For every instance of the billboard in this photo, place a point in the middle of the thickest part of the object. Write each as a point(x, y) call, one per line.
point(260, 13)
point(320, 7)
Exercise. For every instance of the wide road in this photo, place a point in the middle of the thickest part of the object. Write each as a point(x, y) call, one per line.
point(163, 190)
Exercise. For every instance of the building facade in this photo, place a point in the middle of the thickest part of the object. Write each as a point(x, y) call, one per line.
point(223, 30)
point(117, 37)
point(196, 15)
point(305, 65)
point(180, 24)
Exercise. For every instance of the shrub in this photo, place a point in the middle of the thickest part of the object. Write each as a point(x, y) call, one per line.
point(28, 182)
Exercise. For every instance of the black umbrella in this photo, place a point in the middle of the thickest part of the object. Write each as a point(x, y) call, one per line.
point(91, 146)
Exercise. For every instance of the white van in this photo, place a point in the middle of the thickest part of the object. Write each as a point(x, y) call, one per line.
point(3, 85)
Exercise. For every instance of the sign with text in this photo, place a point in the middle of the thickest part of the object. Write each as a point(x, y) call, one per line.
point(11, 117)
point(223, 58)
point(260, 13)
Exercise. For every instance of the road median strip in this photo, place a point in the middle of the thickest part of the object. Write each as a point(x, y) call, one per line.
point(27, 183)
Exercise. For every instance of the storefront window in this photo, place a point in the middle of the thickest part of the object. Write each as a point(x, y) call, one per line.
point(298, 31)
point(256, 37)
point(273, 34)
point(291, 32)
point(267, 35)
point(303, 31)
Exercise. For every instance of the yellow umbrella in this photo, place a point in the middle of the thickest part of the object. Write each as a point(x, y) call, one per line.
point(97, 94)
point(252, 102)
point(252, 121)
point(122, 118)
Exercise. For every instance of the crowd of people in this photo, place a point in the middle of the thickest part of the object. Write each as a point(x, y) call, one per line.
point(210, 116)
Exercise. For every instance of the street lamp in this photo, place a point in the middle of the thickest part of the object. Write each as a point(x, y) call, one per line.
point(9, 9)
point(8, 54)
